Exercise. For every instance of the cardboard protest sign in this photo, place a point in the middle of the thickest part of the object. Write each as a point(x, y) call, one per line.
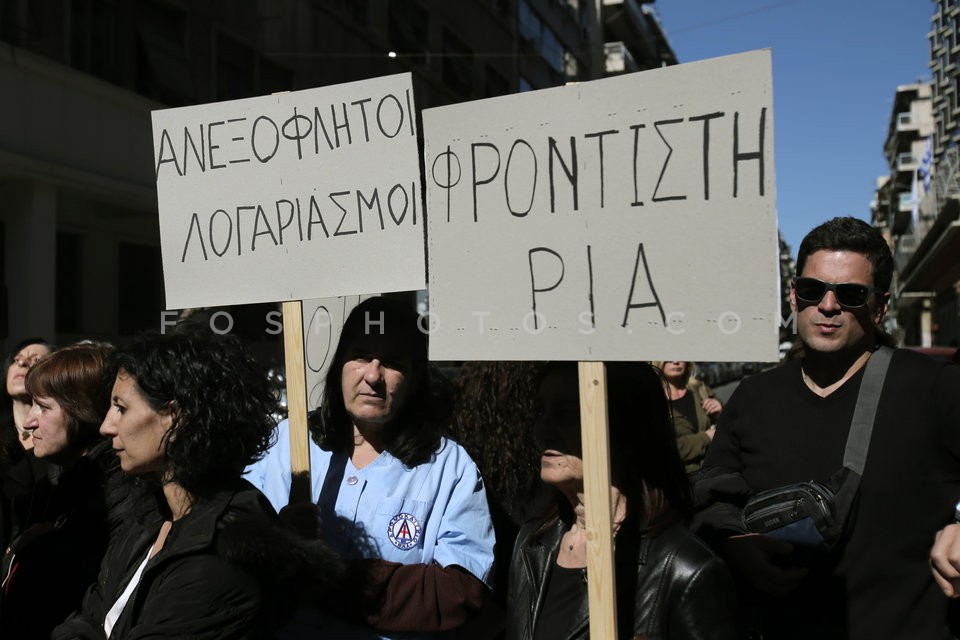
point(290, 196)
point(323, 320)
point(628, 218)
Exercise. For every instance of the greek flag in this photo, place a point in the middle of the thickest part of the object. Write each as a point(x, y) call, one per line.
point(915, 203)
point(926, 164)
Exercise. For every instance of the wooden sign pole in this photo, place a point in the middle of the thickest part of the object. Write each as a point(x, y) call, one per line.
point(594, 437)
point(296, 402)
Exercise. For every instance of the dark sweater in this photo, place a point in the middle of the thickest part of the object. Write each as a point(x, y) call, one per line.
point(775, 431)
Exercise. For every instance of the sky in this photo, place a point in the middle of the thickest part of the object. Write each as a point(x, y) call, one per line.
point(836, 68)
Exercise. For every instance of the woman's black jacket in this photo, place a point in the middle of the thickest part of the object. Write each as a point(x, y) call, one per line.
point(226, 570)
point(67, 519)
point(668, 586)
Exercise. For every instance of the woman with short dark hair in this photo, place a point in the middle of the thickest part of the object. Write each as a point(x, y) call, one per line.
point(72, 509)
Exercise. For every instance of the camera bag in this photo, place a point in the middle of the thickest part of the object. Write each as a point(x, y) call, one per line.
point(812, 513)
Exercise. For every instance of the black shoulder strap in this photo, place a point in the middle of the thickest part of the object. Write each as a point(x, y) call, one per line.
point(331, 486)
point(858, 441)
point(847, 480)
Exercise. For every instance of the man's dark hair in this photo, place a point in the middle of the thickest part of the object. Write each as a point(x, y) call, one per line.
point(850, 234)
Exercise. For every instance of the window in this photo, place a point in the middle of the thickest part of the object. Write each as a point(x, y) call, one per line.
point(15, 21)
point(530, 25)
point(503, 8)
point(274, 77)
point(139, 288)
point(163, 26)
point(69, 283)
point(97, 39)
point(571, 66)
point(357, 11)
point(496, 83)
point(539, 37)
point(457, 64)
point(407, 24)
point(163, 72)
point(235, 69)
point(552, 50)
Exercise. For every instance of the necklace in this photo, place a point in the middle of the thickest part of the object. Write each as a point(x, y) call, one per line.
point(616, 530)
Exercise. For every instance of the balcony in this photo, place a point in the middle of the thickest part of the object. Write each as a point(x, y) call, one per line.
point(629, 22)
point(908, 121)
point(908, 242)
point(618, 59)
point(907, 162)
point(926, 256)
point(906, 201)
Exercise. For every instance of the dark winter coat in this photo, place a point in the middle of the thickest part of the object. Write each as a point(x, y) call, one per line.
point(19, 471)
point(67, 519)
point(226, 570)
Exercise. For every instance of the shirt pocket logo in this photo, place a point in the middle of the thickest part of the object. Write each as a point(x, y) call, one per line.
point(404, 531)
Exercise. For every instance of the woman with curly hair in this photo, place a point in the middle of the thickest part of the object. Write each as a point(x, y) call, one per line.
point(495, 409)
point(404, 504)
point(205, 557)
point(496, 404)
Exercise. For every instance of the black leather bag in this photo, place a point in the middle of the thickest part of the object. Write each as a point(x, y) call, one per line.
point(802, 514)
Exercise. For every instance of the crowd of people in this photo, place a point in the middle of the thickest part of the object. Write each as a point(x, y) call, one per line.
point(146, 489)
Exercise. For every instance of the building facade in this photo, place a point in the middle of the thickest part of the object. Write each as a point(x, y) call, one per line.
point(896, 208)
point(78, 212)
point(927, 242)
point(918, 204)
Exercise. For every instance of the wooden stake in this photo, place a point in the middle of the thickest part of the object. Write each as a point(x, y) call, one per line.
point(296, 402)
point(594, 436)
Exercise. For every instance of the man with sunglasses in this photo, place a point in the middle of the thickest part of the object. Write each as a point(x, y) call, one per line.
point(790, 424)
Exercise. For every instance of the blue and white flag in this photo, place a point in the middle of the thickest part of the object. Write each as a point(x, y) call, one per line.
point(926, 164)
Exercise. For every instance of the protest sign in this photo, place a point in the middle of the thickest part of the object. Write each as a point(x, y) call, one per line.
point(298, 195)
point(323, 320)
point(629, 218)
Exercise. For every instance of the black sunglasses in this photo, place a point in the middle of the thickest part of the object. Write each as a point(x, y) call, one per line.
point(849, 294)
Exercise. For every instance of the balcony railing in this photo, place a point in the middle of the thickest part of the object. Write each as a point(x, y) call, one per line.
point(907, 120)
point(907, 161)
point(945, 185)
point(618, 58)
point(906, 201)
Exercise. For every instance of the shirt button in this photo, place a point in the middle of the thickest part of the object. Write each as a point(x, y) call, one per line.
point(352, 480)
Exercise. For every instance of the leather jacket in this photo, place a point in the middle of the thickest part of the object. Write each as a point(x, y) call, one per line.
point(668, 586)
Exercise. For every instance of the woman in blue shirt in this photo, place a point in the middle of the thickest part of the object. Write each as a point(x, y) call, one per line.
point(404, 504)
